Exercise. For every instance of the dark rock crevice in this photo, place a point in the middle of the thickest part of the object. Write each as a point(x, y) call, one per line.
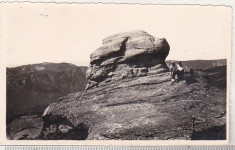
point(57, 127)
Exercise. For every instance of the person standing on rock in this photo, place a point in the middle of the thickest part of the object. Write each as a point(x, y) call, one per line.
point(173, 70)
point(177, 71)
point(180, 70)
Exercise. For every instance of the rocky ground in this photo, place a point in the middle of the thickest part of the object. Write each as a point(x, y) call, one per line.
point(145, 108)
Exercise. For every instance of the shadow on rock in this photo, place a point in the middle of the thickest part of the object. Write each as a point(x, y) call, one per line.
point(214, 133)
point(190, 80)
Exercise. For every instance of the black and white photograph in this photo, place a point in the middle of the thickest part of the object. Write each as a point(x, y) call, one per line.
point(117, 72)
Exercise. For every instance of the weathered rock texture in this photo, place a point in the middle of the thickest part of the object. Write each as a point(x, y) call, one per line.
point(142, 103)
point(127, 55)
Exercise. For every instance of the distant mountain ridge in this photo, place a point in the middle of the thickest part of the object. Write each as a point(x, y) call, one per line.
point(30, 88)
point(42, 66)
point(200, 64)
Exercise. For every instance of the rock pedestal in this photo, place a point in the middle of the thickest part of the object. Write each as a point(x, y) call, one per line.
point(127, 55)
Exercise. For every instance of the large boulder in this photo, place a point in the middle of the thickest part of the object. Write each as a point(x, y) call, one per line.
point(127, 55)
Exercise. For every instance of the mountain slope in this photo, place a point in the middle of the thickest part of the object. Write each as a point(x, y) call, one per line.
point(31, 88)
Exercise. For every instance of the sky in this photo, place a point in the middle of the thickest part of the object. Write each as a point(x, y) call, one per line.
point(36, 33)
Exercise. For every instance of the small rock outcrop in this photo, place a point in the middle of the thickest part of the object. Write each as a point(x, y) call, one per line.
point(127, 55)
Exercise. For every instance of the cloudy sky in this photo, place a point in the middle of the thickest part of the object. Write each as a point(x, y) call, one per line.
point(35, 33)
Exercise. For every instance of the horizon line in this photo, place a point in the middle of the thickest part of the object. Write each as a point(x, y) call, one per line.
point(14, 66)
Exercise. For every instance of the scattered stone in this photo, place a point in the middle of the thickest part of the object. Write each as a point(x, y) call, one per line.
point(64, 128)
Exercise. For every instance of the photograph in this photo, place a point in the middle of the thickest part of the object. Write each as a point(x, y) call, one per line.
point(116, 72)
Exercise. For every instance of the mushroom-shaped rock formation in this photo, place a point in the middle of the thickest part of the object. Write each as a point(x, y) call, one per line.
point(145, 107)
point(127, 55)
